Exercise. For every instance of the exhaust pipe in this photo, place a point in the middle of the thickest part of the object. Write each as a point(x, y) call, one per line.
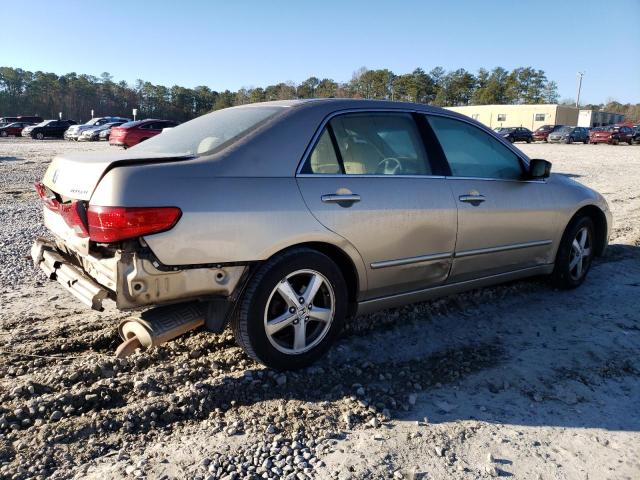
point(157, 326)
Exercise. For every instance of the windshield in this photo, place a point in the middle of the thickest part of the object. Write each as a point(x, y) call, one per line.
point(506, 130)
point(209, 132)
point(93, 121)
point(565, 129)
point(46, 122)
point(544, 128)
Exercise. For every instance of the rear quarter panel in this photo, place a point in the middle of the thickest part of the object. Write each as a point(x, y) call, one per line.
point(224, 219)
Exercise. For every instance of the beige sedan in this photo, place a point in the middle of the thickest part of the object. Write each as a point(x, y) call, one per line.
point(288, 218)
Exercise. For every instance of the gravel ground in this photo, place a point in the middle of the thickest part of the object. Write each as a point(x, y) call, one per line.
point(517, 380)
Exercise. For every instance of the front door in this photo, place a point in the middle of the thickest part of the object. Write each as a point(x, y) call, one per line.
point(505, 222)
point(369, 179)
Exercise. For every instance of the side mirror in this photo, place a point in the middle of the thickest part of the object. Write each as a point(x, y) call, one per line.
point(539, 168)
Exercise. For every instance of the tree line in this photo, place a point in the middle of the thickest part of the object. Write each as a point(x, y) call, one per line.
point(75, 95)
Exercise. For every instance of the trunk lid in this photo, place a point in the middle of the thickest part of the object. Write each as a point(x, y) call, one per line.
point(117, 132)
point(76, 176)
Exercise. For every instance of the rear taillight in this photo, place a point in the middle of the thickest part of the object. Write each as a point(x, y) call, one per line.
point(70, 212)
point(112, 224)
point(49, 200)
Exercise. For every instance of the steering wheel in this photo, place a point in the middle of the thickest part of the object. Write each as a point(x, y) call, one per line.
point(389, 166)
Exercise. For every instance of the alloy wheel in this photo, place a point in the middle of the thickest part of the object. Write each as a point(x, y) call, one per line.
point(580, 254)
point(299, 312)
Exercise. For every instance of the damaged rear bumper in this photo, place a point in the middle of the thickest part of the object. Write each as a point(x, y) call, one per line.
point(130, 279)
point(72, 278)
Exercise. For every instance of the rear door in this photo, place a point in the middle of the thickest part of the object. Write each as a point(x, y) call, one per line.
point(369, 179)
point(505, 223)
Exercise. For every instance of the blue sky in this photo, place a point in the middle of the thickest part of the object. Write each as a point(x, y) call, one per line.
point(256, 43)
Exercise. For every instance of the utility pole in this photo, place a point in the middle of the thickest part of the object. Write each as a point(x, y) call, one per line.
point(580, 75)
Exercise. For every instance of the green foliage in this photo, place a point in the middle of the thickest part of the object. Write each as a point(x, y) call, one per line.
point(46, 94)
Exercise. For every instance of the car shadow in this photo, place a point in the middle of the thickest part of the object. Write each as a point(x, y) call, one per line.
point(11, 159)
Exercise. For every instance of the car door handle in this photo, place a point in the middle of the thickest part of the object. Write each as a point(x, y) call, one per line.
point(340, 198)
point(471, 198)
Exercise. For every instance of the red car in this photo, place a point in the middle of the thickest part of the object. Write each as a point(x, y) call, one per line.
point(541, 134)
point(131, 133)
point(14, 129)
point(612, 135)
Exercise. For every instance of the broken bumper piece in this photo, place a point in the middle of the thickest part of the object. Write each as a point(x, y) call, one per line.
point(71, 277)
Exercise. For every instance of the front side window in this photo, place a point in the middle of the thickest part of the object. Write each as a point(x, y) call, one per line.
point(471, 152)
point(380, 144)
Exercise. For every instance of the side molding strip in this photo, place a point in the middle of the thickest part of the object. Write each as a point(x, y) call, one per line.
point(410, 260)
point(503, 248)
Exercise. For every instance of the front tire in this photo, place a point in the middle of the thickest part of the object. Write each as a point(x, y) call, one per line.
point(292, 309)
point(575, 254)
point(39, 136)
point(3, 134)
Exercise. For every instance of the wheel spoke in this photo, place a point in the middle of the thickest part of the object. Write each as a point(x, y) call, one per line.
point(574, 262)
point(576, 246)
point(300, 336)
point(312, 289)
point(288, 295)
point(277, 324)
point(586, 252)
point(320, 314)
point(579, 268)
point(583, 237)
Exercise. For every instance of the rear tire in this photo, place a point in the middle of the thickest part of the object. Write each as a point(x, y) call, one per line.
point(273, 322)
point(529, 140)
point(575, 254)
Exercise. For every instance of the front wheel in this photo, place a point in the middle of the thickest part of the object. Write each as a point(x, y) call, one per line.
point(292, 310)
point(3, 134)
point(40, 136)
point(575, 253)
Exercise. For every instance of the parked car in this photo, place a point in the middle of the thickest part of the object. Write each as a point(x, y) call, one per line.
point(73, 133)
point(48, 128)
point(635, 138)
point(14, 129)
point(292, 216)
point(541, 134)
point(104, 134)
point(612, 135)
point(516, 134)
point(22, 118)
point(93, 134)
point(132, 133)
point(569, 134)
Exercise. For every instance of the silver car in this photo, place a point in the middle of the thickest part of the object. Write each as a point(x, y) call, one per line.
point(288, 218)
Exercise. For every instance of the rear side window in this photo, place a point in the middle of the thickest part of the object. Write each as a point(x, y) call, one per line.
point(323, 158)
point(472, 152)
point(380, 144)
point(369, 144)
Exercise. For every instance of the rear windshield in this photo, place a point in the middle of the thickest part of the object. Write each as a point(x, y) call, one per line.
point(131, 124)
point(209, 132)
